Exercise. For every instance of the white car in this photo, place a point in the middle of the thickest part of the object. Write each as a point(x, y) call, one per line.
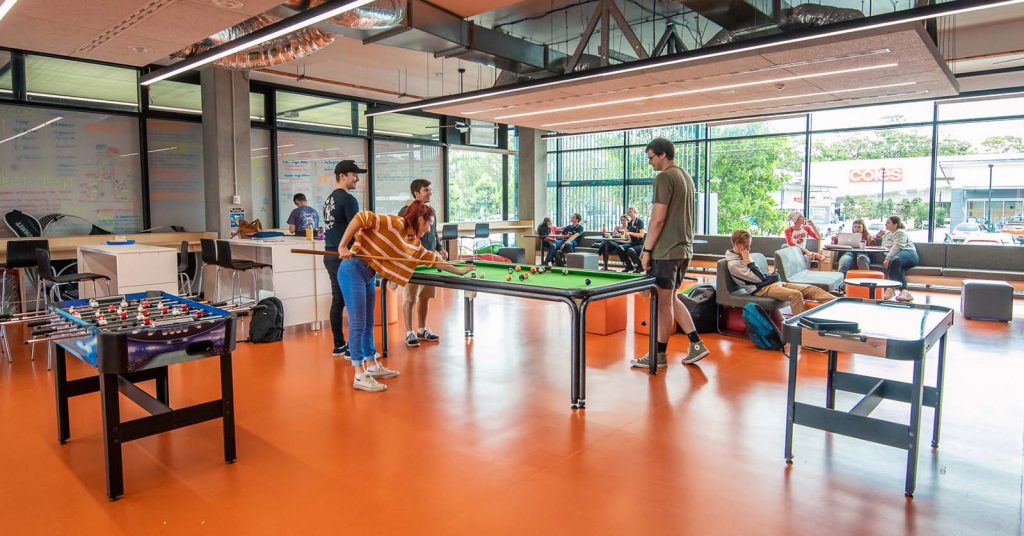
point(999, 239)
point(962, 231)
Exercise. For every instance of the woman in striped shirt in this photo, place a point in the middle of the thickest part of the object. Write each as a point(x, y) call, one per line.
point(380, 236)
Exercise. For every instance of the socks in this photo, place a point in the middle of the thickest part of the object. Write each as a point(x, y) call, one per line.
point(413, 333)
point(693, 336)
point(662, 347)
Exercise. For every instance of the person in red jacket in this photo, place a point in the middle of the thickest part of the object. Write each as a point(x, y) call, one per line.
point(798, 233)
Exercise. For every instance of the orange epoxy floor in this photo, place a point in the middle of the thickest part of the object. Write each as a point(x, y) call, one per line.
point(479, 438)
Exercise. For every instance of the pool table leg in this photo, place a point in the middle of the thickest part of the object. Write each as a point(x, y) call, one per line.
point(575, 395)
point(652, 349)
point(467, 309)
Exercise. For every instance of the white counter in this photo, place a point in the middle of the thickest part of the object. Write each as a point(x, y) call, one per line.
point(300, 281)
point(131, 268)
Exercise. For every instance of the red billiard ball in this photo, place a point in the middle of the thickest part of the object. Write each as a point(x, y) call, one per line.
point(533, 269)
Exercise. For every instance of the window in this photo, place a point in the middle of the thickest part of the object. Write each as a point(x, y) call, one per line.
point(474, 182)
point(259, 170)
point(396, 165)
point(305, 164)
point(871, 174)
point(176, 182)
point(783, 125)
point(81, 83)
point(72, 163)
point(592, 184)
point(6, 80)
point(318, 113)
point(978, 108)
point(689, 156)
point(673, 133)
point(870, 116)
point(257, 107)
point(979, 183)
point(407, 126)
point(179, 97)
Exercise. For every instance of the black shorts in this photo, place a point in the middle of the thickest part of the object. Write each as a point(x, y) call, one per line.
point(668, 274)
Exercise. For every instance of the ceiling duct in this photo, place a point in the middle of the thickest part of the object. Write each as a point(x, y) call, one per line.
point(587, 61)
point(792, 19)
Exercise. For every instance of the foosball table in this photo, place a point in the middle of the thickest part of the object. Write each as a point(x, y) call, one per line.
point(134, 338)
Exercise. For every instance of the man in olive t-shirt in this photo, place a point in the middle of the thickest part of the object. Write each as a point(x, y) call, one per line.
point(668, 249)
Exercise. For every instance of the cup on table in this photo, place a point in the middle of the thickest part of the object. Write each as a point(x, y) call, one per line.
point(863, 244)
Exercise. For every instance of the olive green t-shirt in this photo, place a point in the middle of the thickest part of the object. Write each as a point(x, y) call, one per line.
point(674, 188)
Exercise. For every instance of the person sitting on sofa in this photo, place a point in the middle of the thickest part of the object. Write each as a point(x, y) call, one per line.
point(570, 239)
point(749, 277)
point(863, 261)
point(900, 256)
point(613, 244)
point(798, 233)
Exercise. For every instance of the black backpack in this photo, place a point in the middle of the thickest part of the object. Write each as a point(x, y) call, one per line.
point(267, 324)
point(760, 327)
point(703, 306)
point(559, 259)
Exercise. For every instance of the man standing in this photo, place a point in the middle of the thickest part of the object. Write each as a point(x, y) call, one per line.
point(339, 209)
point(668, 248)
point(418, 296)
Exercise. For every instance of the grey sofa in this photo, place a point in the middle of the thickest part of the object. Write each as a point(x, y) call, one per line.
point(728, 294)
point(792, 268)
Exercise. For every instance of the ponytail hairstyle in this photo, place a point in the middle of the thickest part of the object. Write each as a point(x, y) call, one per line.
point(415, 214)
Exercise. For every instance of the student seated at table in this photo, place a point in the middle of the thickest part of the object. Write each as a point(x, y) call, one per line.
point(570, 239)
point(390, 246)
point(863, 261)
point(630, 255)
point(900, 256)
point(614, 243)
point(749, 277)
point(546, 232)
point(798, 233)
point(302, 217)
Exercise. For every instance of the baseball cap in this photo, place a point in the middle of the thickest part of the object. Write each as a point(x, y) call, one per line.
point(347, 166)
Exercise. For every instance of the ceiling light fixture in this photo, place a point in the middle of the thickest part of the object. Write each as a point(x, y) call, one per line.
point(6, 6)
point(776, 81)
point(296, 22)
point(719, 105)
point(229, 4)
point(33, 129)
point(893, 19)
point(759, 70)
point(138, 49)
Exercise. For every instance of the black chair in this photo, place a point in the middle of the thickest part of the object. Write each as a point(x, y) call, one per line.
point(449, 232)
point(208, 254)
point(21, 254)
point(184, 280)
point(481, 231)
point(47, 275)
point(224, 260)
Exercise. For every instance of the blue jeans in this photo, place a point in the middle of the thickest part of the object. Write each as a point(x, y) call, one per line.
point(556, 246)
point(846, 262)
point(898, 266)
point(356, 279)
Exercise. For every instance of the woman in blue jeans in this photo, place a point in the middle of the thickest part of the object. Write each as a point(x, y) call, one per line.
point(900, 255)
point(388, 246)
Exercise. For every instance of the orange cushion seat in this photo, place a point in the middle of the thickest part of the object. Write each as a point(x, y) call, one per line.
point(854, 291)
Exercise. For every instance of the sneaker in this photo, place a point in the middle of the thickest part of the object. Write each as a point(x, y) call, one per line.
point(904, 296)
point(366, 382)
point(382, 372)
point(426, 335)
point(645, 362)
point(628, 270)
point(411, 340)
point(341, 351)
point(888, 294)
point(697, 352)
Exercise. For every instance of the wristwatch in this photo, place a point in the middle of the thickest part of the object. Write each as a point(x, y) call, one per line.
point(649, 251)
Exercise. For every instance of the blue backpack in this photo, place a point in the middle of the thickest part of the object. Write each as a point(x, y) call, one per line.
point(760, 327)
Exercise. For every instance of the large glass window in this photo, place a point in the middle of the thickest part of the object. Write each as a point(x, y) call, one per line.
point(176, 181)
point(80, 83)
point(318, 113)
point(259, 169)
point(474, 181)
point(257, 106)
point(407, 126)
point(982, 108)
point(6, 80)
point(979, 195)
point(169, 96)
point(871, 174)
point(396, 165)
point(305, 164)
point(592, 185)
point(870, 116)
point(71, 163)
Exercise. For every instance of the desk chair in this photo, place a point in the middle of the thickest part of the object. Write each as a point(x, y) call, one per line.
point(184, 280)
point(47, 275)
point(224, 260)
point(208, 254)
point(449, 232)
point(21, 254)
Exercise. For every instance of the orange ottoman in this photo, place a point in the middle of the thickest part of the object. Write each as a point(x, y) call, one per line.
point(857, 291)
point(606, 316)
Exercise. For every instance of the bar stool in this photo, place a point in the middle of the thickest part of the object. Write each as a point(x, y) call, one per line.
point(184, 280)
point(21, 254)
point(224, 261)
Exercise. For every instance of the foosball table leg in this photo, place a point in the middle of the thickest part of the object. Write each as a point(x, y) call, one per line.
point(163, 387)
point(112, 435)
point(60, 380)
point(227, 394)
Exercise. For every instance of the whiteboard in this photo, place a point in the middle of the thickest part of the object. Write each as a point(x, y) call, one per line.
point(305, 164)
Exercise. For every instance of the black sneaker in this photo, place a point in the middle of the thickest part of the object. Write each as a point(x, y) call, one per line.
point(341, 351)
point(426, 335)
point(411, 340)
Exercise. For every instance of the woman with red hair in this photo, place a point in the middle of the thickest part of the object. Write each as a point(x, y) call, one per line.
point(390, 246)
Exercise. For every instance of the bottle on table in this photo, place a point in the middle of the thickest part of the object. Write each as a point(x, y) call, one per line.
point(604, 231)
point(309, 233)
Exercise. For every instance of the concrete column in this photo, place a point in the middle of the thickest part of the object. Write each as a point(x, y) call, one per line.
point(533, 178)
point(226, 147)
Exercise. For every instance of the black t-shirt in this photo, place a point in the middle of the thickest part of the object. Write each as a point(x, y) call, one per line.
point(571, 229)
point(339, 209)
point(635, 226)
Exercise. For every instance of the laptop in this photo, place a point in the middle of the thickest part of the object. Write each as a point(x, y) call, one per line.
point(849, 239)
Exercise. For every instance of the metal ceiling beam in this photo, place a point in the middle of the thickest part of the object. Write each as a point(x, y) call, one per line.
point(603, 12)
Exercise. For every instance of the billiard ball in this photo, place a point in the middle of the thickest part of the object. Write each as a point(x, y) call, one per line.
point(472, 275)
point(586, 281)
point(533, 269)
point(518, 268)
point(482, 275)
point(511, 269)
point(439, 270)
point(522, 277)
point(526, 275)
point(508, 277)
point(565, 272)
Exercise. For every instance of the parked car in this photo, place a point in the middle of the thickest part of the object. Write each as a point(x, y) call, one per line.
point(1000, 239)
point(964, 230)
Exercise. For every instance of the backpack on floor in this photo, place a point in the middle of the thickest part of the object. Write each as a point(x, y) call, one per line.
point(267, 324)
point(760, 327)
point(559, 259)
point(703, 307)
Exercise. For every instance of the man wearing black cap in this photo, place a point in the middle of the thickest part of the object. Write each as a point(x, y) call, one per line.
point(339, 209)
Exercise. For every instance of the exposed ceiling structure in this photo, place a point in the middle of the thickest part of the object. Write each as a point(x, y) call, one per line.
point(867, 67)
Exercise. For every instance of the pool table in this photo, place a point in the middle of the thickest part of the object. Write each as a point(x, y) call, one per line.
point(569, 288)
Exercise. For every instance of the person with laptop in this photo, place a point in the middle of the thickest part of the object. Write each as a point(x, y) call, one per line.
point(857, 239)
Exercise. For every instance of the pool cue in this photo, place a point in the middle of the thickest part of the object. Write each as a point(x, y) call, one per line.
point(361, 256)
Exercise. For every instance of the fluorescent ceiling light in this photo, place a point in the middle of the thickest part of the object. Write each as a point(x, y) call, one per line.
point(702, 90)
point(721, 104)
point(930, 12)
point(308, 18)
point(6, 6)
point(33, 129)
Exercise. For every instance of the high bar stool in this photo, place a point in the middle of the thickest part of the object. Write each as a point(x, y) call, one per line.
point(20, 254)
point(224, 261)
point(208, 254)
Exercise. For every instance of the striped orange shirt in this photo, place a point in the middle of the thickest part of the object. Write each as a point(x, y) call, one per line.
point(383, 235)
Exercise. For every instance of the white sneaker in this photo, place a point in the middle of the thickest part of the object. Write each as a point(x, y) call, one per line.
point(382, 372)
point(904, 296)
point(888, 294)
point(367, 382)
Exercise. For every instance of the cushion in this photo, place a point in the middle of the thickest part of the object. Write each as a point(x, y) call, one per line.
point(931, 254)
point(789, 261)
point(984, 257)
point(925, 270)
point(997, 275)
point(825, 280)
